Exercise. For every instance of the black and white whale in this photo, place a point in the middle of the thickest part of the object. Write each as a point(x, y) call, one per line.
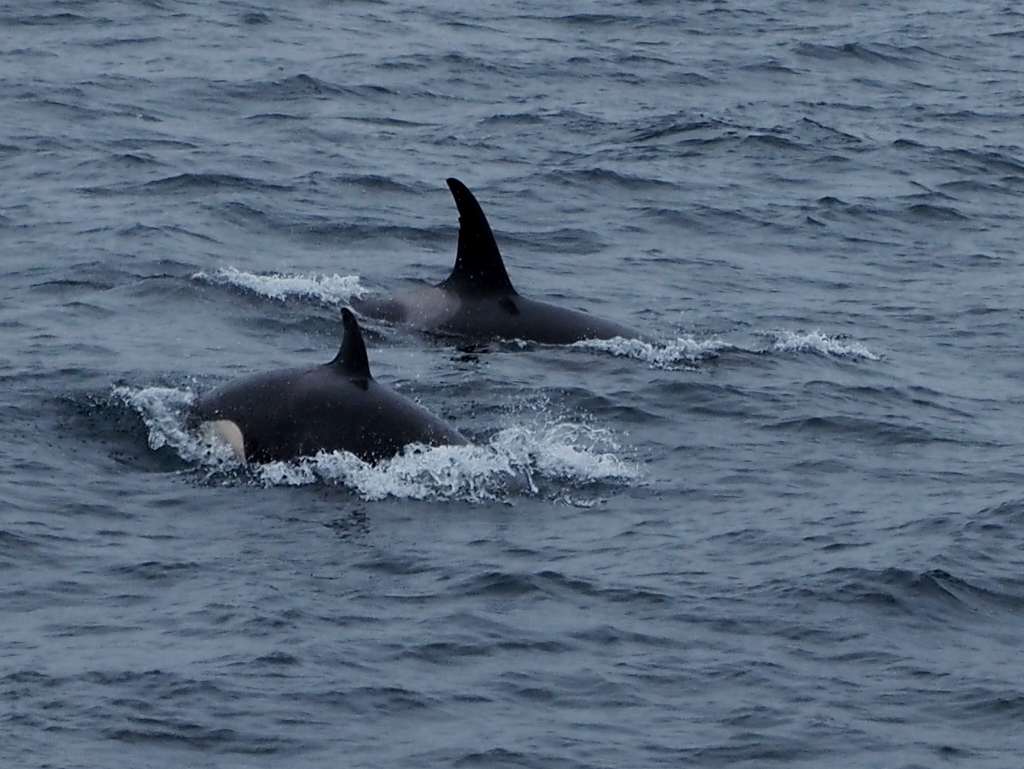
point(337, 406)
point(478, 301)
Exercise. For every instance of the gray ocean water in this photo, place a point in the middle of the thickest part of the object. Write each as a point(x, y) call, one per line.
point(786, 533)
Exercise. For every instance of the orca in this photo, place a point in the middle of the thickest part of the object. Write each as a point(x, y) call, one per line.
point(478, 300)
point(337, 406)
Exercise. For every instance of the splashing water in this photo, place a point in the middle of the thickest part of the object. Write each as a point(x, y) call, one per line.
point(667, 355)
point(163, 412)
point(330, 290)
point(817, 342)
point(686, 352)
point(517, 459)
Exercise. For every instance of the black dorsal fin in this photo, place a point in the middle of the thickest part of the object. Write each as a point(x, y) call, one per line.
point(351, 358)
point(478, 264)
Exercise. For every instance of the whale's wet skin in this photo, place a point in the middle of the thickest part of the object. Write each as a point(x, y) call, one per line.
point(779, 524)
point(337, 406)
point(477, 300)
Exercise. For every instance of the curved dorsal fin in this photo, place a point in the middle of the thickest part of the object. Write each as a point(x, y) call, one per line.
point(351, 359)
point(478, 264)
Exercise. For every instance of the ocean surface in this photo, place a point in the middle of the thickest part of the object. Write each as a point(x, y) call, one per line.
point(784, 531)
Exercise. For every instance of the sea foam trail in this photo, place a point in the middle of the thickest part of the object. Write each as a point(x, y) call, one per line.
point(683, 351)
point(817, 342)
point(331, 290)
point(521, 459)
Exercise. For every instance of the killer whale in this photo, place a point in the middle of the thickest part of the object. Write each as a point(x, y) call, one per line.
point(477, 300)
point(332, 407)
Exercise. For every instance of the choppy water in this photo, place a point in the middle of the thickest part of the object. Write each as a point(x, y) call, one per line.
point(787, 533)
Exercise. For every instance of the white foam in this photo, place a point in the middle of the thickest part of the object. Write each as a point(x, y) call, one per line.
point(515, 460)
point(681, 351)
point(163, 412)
point(541, 458)
point(817, 342)
point(443, 472)
point(331, 290)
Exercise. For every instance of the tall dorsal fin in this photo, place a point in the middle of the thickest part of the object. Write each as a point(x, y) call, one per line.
point(351, 358)
point(478, 264)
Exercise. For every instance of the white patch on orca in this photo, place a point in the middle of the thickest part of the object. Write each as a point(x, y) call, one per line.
point(430, 307)
point(229, 432)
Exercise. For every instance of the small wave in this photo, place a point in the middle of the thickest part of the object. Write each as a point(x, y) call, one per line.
point(592, 176)
point(934, 212)
point(770, 66)
point(331, 290)
point(871, 54)
point(190, 182)
point(321, 229)
point(156, 571)
point(303, 86)
point(296, 86)
point(673, 126)
point(126, 159)
point(884, 431)
point(517, 459)
point(595, 19)
point(829, 131)
point(15, 548)
point(375, 182)
point(773, 141)
point(973, 186)
point(185, 183)
point(513, 118)
point(273, 117)
point(817, 342)
point(979, 161)
point(930, 591)
point(565, 240)
point(53, 19)
point(139, 230)
point(112, 42)
point(683, 351)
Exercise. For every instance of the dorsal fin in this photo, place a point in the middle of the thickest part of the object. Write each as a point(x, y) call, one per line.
point(351, 358)
point(478, 264)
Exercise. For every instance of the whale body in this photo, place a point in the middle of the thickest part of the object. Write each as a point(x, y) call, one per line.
point(478, 301)
point(337, 406)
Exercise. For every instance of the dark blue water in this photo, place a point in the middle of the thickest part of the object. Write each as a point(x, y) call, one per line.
point(787, 533)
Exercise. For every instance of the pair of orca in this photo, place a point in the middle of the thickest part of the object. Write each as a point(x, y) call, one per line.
point(339, 406)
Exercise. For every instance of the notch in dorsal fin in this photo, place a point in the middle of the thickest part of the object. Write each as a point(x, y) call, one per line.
point(351, 358)
point(478, 264)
